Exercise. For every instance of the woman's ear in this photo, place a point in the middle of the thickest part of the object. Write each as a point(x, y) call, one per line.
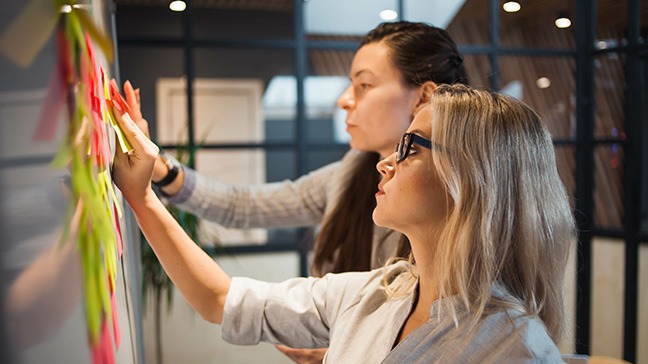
point(424, 92)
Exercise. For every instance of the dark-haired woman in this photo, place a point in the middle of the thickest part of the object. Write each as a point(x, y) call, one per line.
point(397, 65)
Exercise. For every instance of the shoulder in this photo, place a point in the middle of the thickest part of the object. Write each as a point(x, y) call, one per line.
point(392, 274)
point(520, 338)
point(536, 339)
point(351, 288)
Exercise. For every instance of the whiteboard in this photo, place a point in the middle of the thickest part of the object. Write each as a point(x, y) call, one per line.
point(43, 318)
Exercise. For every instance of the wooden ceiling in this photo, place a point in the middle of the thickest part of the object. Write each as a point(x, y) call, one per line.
point(533, 27)
point(268, 5)
point(610, 11)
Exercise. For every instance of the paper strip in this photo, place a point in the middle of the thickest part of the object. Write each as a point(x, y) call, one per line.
point(29, 32)
point(51, 109)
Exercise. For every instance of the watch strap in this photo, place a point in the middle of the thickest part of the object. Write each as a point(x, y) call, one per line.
point(174, 169)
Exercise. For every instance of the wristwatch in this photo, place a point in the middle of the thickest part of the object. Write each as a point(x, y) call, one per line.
point(174, 169)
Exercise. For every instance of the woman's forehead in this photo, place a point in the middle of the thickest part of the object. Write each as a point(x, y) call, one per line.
point(422, 122)
point(374, 57)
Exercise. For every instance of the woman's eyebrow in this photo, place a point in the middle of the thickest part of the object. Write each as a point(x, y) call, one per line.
point(419, 132)
point(360, 72)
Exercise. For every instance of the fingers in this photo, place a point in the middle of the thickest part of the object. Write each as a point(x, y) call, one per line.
point(132, 99)
point(303, 355)
point(132, 171)
point(82, 136)
point(137, 139)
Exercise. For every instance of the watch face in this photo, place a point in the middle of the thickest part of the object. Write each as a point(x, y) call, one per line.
point(170, 161)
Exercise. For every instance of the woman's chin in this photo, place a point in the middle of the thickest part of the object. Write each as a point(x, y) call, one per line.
point(355, 145)
point(378, 219)
point(358, 144)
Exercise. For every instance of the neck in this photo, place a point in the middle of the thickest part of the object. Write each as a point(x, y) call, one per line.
point(428, 290)
point(424, 255)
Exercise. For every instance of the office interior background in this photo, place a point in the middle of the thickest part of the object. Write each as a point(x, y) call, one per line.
point(264, 77)
point(586, 79)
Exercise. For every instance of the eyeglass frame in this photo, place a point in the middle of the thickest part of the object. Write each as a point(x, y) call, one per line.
point(403, 149)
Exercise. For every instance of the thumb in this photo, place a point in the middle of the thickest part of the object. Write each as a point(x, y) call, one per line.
point(141, 144)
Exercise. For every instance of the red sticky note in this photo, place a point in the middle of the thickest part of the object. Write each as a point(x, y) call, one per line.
point(116, 99)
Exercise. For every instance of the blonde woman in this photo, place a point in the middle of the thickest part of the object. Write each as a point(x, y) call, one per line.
point(473, 185)
point(396, 66)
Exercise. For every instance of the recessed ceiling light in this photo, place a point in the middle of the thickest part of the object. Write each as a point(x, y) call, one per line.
point(511, 6)
point(178, 5)
point(543, 82)
point(388, 14)
point(563, 22)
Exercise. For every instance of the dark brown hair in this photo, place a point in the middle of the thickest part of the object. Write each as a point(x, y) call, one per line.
point(421, 53)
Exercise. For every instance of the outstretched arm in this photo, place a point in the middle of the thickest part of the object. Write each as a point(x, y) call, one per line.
point(202, 282)
point(160, 169)
point(301, 202)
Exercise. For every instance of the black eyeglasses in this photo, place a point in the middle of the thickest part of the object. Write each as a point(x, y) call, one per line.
point(403, 148)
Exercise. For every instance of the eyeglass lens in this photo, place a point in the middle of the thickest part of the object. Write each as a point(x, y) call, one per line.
point(402, 149)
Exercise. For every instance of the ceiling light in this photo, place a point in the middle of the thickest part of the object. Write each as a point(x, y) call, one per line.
point(563, 22)
point(66, 9)
point(511, 6)
point(388, 15)
point(543, 82)
point(178, 5)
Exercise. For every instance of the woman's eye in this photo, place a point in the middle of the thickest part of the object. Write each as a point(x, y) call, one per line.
point(362, 86)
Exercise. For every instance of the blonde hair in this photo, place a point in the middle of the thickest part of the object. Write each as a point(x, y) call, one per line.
point(510, 225)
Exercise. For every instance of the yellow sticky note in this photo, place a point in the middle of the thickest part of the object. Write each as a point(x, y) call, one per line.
point(123, 143)
point(29, 32)
point(114, 196)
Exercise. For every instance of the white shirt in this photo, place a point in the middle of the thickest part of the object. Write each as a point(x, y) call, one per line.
point(352, 315)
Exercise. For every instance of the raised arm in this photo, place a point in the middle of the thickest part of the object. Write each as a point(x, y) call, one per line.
point(160, 169)
point(202, 282)
point(269, 205)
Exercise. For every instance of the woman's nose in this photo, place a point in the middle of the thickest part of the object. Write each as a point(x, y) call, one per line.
point(346, 101)
point(386, 166)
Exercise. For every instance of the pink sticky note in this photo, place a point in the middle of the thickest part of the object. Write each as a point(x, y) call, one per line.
point(107, 353)
point(113, 303)
point(95, 353)
point(118, 234)
point(51, 109)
